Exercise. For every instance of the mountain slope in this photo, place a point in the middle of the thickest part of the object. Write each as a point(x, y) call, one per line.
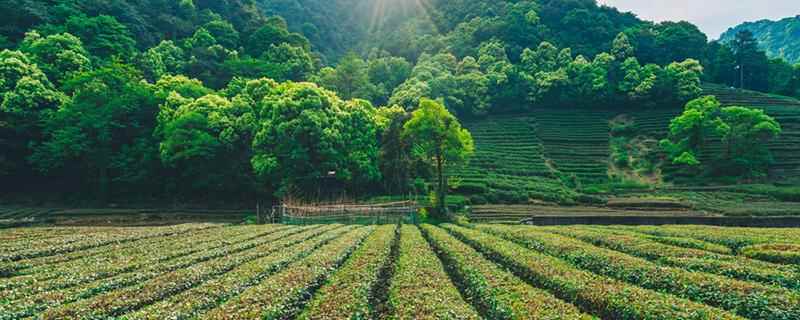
point(780, 39)
point(407, 28)
point(554, 155)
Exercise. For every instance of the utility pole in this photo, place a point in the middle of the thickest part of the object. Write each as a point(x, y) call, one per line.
point(740, 67)
point(741, 76)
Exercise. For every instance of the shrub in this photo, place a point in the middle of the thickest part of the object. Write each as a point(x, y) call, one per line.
point(600, 295)
point(690, 259)
point(778, 253)
point(348, 293)
point(281, 295)
point(209, 294)
point(420, 288)
point(750, 300)
point(121, 301)
point(498, 293)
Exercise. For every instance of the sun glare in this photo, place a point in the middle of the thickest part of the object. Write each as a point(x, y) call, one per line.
point(384, 10)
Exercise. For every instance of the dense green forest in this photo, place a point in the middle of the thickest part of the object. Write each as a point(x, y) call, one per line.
point(240, 99)
point(777, 38)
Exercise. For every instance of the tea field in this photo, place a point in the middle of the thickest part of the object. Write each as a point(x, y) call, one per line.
point(212, 271)
point(556, 157)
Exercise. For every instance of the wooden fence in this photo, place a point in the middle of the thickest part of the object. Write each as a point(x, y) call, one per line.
point(382, 213)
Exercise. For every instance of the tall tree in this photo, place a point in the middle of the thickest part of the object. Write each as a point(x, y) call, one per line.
point(26, 96)
point(306, 134)
point(103, 36)
point(439, 140)
point(198, 135)
point(350, 78)
point(59, 55)
point(396, 161)
point(110, 111)
point(751, 63)
point(461, 85)
point(164, 59)
point(387, 73)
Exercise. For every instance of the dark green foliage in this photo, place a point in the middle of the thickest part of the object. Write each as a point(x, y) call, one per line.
point(743, 132)
point(26, 96)
point(59, 55)
point(103, 36)
point(80, 136)
point(397, 165)
point(272, 34)
point(213, 100)
point(668, 41)
point(777, 38)
point(740, 62)
point(306, 134)
point(149, 21)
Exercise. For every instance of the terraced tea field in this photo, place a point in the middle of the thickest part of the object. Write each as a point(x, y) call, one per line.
point(553, 155)
point(209, 271)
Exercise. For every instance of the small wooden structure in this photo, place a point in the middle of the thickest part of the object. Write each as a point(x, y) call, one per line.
point(381, 213)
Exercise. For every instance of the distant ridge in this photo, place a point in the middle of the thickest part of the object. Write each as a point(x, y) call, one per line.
point(780, 39)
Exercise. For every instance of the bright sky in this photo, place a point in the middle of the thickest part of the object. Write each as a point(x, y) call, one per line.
point(712, 16)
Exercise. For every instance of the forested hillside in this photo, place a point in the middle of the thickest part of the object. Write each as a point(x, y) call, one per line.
point(254, 99)
point(780, 39)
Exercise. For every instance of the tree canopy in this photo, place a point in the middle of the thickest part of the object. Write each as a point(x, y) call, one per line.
point(439, 140)
point(252, 98)
point(742, 131)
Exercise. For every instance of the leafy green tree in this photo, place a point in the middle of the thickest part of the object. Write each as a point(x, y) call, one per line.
point(103, 36)
point(282, 63)
point(25, 96)
point(678, 41)
point(200, 134)
point(439, 140)
point(473, 88)
point(387, 73)
point(110, 111)
point(287, 62)
point(187, 88)
point(720, 64)
point(306, 134)
point(396, 161)
point(684, 78)
point(745, 134)
point(224, 33)
point(350, 78)
point(545, 73)
point(505, 87)
point(58, 55)
point(634, 83)
point(588, 79)
point(273, 33)
point(743, 131)
point(752, 64)
point(164, 59)
point(172, 92)
point(782, 78)
point(460, 84)
point(206, 59)
point(409, 93)
point(621, 48)
point(689, 132)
